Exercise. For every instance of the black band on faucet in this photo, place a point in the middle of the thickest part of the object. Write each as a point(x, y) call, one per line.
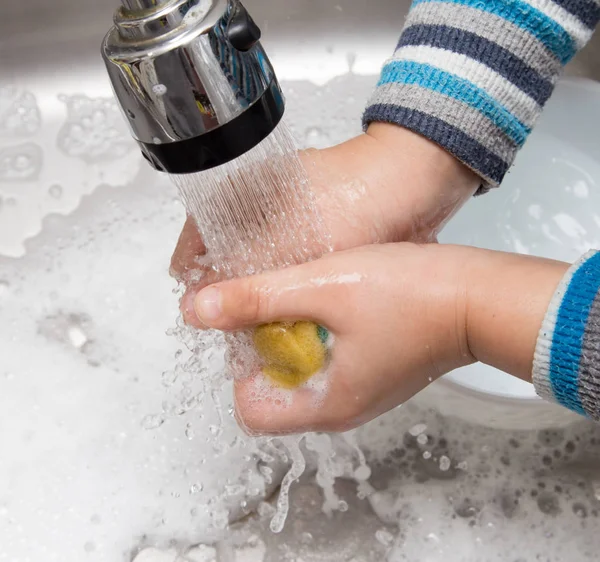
point(223, 144)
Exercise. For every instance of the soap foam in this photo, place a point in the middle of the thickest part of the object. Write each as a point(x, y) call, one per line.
point(85, 479)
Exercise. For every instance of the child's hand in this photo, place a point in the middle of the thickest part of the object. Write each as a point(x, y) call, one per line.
point(387, 185)
point(397, 314)
point(401, 316)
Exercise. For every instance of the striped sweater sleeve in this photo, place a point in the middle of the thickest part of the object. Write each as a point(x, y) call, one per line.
point(473, 75)
point(566, 366)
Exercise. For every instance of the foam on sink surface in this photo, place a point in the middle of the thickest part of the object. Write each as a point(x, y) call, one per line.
point(84, 344)
point(54, 150)
point(83, 316)
point(95, 465)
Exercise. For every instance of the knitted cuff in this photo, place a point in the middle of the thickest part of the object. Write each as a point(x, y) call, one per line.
point(566, 367)
point(473, 76)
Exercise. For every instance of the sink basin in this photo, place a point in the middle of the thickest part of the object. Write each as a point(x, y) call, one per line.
point(105, 451)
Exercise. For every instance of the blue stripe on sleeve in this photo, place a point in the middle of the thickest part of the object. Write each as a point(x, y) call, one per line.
point(545, 29)
point(569, 335)
point(487, 52)
point(426, 76)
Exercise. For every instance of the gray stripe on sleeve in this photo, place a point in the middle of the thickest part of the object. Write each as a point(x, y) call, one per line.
point(589, 366)
point(494, 28)
point(453, 112)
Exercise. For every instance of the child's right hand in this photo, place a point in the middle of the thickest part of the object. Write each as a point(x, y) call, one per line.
point(401, 315)
point(387, 185)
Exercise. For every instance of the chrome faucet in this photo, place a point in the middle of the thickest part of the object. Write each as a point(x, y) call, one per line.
point(193, 80)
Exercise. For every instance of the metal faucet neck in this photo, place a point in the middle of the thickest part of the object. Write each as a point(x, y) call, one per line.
point(139, 5)
point(140, 20)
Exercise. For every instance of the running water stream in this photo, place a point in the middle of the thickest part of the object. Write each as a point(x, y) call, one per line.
point(254, 214)
point(257, 212)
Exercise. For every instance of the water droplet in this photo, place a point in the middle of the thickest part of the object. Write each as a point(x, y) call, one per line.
point(307, 538)
point(351, 58)
point(189, 432)
point(581, 189)
point(156, 140)
point(21, 163)
point(196, 489)
point(444, 463)
point(68, 328)
point(384, 537)
point(4, 288)
point(466, 509)
point(548, 503)
point(417, 429)
point(153, 422)
point(55, 191)
point(316, 137)
point(77, 336)
point(422, 439)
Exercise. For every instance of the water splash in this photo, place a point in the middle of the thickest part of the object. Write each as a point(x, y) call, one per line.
point(298, 466)
point(254, 214)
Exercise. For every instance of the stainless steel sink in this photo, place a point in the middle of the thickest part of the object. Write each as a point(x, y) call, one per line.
point(88, 470)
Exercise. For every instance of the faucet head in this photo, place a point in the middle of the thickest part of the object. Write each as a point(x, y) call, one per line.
point(193, 81)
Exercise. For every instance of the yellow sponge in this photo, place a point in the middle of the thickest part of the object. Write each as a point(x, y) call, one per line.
point(292, 351)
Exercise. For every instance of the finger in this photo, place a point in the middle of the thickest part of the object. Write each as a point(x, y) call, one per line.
point(264, 409)
point(186, 304)
point(304, 292)
point(189, 247)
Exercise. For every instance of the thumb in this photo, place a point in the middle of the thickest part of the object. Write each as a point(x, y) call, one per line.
point(189, 247)
point(293, 294)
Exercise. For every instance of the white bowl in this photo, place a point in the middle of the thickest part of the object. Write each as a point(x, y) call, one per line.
point(549, 205)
